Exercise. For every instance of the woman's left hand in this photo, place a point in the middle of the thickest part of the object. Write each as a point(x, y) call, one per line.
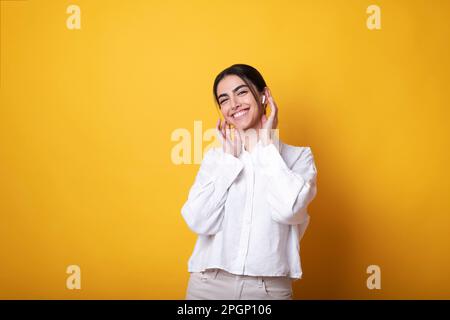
point(268, 124)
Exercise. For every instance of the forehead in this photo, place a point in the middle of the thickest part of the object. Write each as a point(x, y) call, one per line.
point(228, 83)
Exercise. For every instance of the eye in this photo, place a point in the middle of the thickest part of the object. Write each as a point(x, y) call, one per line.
point(223, 101)
point(242, 92)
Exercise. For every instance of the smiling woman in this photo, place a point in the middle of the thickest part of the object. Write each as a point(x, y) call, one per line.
point(249, 201)
point(243, 84)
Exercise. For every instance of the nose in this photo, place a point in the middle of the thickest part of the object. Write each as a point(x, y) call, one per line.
point(234, 103)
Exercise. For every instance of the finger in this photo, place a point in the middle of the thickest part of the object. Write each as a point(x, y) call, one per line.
point(220, 135)
point(219, 130)
point(238, 137)
point(268, 101)
point(218, 125)
point(264, 118)
point(235, 134)
point(269, 96)
point(268, 92)
point(273, 111)
point(224, 125)
point(273, 105)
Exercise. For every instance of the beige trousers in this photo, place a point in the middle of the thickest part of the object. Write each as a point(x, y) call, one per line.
point(217, 284)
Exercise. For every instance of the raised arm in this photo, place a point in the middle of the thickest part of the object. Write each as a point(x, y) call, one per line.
point(290, 190)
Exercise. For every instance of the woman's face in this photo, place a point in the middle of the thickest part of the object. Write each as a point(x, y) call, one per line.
point(237, 103)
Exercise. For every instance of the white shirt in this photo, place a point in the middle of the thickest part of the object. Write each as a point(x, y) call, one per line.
point(250, 213)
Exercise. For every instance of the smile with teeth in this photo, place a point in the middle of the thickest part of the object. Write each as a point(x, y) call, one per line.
point(240, 114)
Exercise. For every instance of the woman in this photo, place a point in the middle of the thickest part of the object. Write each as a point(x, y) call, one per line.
point(249, 201)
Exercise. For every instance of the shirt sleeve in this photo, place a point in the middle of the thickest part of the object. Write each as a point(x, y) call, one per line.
point(203, 211)
point(289, 191)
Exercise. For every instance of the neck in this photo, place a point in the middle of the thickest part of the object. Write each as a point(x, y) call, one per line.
point(251, 137)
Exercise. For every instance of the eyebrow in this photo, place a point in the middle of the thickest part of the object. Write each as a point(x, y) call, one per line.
point(234, 90)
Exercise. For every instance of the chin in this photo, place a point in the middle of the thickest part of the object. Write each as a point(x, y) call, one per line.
point(242, 126)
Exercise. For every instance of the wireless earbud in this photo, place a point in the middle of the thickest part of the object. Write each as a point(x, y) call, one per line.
point(263, 100)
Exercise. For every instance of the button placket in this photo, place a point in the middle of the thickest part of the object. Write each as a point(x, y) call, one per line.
point(248, 212)
point(245, 232)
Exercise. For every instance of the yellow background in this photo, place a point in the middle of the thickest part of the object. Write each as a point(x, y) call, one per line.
point(86, 118)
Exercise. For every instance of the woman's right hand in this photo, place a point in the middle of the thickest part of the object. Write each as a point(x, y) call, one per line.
point(231, 146)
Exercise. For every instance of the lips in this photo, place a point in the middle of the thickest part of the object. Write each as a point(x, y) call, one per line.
point(240, 113)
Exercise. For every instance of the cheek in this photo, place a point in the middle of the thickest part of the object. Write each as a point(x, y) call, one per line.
point(255, 111)
point(250, 100)
point(224, 110)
